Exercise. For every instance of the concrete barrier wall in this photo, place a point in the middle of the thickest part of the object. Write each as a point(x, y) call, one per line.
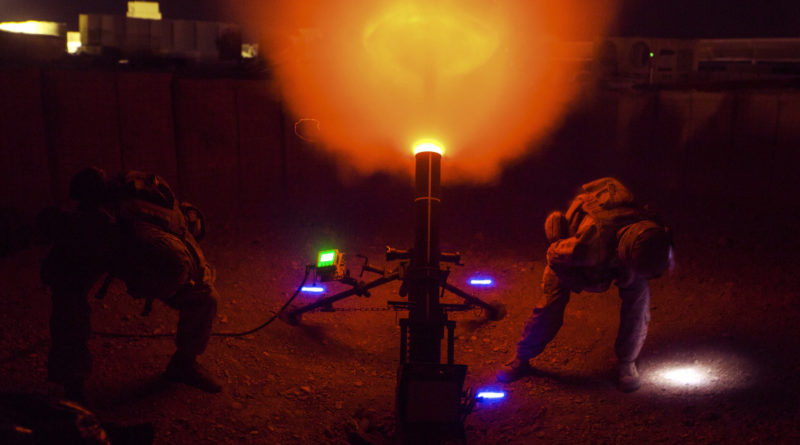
point(228, 145)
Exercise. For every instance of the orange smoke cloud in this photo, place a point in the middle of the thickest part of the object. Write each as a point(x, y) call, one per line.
point(482, 77)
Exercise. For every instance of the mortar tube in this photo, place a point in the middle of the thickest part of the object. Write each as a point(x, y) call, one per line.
point(425, 314)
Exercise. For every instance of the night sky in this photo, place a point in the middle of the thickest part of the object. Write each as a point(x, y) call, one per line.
point(652, 18)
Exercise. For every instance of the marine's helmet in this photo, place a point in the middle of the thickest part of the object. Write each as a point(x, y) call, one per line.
point(646, 247)
point(89, 187)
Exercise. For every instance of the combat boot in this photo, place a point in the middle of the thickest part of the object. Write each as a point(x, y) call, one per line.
point(628, 377)
point(514, 370)
point(189, 372)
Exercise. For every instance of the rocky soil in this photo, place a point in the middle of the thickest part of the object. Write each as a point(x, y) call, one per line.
point(730, 309)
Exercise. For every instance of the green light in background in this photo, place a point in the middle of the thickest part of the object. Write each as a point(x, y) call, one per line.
point(652, 54)
point(326, 258)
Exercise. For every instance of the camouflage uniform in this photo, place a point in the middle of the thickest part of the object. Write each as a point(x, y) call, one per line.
point(583, 257)
point(139, 235)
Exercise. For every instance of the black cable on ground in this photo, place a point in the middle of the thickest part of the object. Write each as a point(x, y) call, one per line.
point(271, 319)
point(217, 334)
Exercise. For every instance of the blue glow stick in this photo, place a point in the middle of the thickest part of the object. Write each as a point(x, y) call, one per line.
point(491, 395)
point(313, 289)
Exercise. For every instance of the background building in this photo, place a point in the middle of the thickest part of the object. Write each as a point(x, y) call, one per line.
point(693, 61)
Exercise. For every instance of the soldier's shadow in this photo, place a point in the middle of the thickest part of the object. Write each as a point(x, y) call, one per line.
point(601, 378)
point(136, 391)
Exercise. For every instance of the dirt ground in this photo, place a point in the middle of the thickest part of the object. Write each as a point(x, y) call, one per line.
point(730, 309)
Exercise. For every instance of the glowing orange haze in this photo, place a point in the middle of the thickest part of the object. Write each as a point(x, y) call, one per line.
point(478, 76)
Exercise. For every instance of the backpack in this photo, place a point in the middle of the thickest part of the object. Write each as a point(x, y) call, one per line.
point(607, 201)
point(147, 197)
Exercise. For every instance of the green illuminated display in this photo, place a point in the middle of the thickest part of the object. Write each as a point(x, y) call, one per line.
point(326, 258)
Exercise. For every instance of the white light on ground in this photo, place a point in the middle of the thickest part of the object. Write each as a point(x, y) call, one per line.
point(685, 376)
point(703, 370)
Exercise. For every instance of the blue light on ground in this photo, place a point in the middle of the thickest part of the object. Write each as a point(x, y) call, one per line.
point(490, 395)
point(481, 281)
point(313, 289)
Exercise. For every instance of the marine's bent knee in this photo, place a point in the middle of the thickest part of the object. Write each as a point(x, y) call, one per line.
point(196, 296)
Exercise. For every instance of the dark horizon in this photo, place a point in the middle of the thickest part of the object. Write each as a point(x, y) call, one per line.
point(668, 19)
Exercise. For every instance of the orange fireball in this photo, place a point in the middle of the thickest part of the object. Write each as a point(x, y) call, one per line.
point(483, 76)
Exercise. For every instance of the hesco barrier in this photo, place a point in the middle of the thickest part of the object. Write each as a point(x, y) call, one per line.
point(228, 144)
point(219, 142)
point(25, 180)
point(146, 126)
